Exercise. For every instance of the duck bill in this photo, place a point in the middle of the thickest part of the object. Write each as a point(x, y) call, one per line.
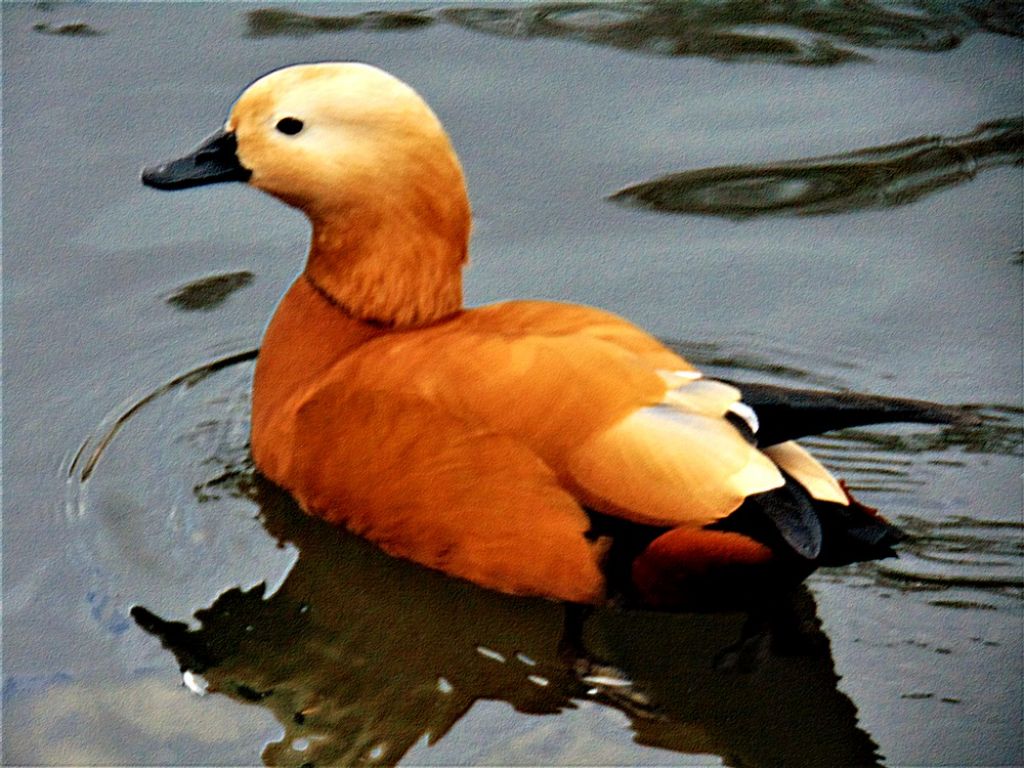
point(212, 162)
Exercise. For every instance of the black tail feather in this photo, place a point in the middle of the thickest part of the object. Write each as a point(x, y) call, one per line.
point(796, 519)
point(814, 533)
point(856, 533)
point(786, 414)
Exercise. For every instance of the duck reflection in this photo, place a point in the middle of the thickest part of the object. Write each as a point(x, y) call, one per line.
point(361, 656)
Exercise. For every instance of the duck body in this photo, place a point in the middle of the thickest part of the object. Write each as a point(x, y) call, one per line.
point(487, 443)
point(462, 444)
point(532, 447)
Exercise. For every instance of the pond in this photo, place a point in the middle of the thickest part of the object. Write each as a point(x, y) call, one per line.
point(826, 198)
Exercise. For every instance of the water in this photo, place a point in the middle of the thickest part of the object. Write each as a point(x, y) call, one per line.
point(130, 318)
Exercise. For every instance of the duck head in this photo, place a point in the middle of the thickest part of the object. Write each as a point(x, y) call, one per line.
point(368, 162)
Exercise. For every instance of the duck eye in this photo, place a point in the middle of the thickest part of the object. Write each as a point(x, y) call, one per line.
point(289, 125)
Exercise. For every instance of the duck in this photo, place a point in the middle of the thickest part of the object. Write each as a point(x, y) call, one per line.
point(536, 448)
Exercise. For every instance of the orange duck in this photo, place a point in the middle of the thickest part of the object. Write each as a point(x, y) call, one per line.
point(535, 448)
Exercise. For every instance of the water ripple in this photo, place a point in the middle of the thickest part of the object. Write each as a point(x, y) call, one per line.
point(146, 502)
point(796, 32)
point(959, 552)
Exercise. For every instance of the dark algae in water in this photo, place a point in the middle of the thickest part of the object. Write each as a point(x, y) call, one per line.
point(209, 292)
point(880, 177)
point(70, 29)
point(268, 22)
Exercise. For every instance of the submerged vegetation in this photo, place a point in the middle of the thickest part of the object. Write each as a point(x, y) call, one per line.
point(209, 292)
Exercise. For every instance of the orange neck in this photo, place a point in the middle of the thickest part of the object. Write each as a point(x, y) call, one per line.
point(306, 336)
point(397, 281)
point(392, 250)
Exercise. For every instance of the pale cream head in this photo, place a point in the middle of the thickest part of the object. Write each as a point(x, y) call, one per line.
point(358, 123)
point(371, 165)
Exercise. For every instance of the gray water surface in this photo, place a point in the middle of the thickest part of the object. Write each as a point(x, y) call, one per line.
point(130, 317)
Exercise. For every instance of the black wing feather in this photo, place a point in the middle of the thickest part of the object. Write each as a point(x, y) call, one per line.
point(786, 414)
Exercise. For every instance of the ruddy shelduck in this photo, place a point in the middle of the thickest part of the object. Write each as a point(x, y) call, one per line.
point(532, 447)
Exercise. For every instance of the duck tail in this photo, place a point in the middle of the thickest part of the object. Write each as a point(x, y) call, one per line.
point(855, 533)
point(798, 527)
point(772, 542)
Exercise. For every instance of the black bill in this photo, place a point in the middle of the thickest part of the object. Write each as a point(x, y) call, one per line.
point(212, 162)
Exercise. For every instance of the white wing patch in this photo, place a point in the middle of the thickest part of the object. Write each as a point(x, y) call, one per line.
point(807, 471)
point(681, 462)
point(690, 391)
point(746, 413)
point(666, 466)
point(675, 379)
point(704, 396)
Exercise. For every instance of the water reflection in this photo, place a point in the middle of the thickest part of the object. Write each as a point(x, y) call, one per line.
point(360, 657)
point(879, 177)
point(806, 33)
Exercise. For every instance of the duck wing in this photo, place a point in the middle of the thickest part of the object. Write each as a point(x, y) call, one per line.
point(621, 435)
